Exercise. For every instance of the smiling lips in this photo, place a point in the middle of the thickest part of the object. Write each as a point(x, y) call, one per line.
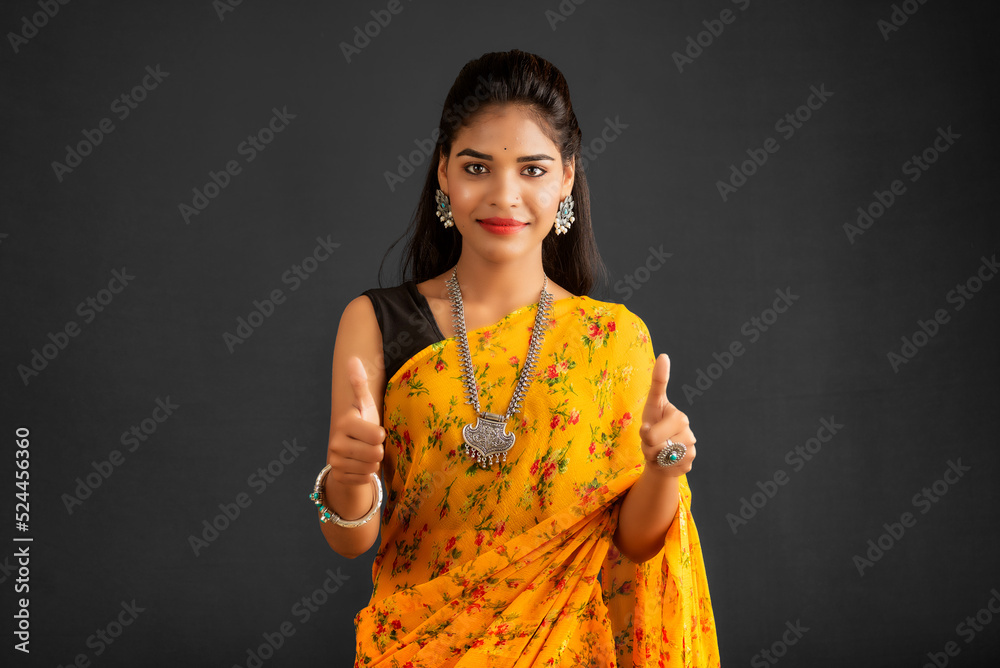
point(502, 225)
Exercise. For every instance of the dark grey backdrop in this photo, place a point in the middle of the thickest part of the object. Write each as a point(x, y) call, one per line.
point(790, 553)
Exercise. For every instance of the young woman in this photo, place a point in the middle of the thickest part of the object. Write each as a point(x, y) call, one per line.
point(537, 510)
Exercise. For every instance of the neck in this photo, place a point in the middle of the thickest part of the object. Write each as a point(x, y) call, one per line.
point(506, 286)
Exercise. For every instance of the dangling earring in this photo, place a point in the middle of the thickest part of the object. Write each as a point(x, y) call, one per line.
point(564, 216)
point(443, 208)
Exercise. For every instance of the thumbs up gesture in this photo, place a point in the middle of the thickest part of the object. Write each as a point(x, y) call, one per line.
point(355, 450)
point(661, 421)
point(363, 399)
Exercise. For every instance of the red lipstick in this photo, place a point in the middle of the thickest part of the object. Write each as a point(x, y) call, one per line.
point(502, 225)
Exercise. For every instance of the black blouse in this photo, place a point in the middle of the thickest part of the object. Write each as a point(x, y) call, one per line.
point(406, 321)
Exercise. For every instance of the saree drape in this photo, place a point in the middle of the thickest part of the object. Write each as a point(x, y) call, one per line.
point(515, 566)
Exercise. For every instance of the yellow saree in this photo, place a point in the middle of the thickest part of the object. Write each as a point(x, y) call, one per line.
point(515, 565)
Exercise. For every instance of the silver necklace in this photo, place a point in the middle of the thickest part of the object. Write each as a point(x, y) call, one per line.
point(488, 440)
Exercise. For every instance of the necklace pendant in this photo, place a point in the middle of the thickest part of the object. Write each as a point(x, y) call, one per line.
point(488, 440)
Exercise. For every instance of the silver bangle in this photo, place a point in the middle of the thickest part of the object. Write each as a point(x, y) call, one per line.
point(328, 515)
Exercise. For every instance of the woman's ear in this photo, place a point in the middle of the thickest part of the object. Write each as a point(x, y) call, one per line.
point(569, 173)
point(442, 170)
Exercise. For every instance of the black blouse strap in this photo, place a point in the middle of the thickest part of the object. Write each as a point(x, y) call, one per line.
point(406, 322)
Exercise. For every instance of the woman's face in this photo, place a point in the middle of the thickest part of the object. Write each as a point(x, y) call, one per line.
point(505, 179)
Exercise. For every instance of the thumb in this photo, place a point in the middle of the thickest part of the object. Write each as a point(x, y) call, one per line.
point(655, 402)
point(363, 399)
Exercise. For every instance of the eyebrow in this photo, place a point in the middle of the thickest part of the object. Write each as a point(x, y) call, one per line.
point(483, 156)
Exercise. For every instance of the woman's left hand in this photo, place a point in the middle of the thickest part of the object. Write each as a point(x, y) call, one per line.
point(662, 421)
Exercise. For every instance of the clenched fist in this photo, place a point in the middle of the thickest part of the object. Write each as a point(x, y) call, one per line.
point(662, 421)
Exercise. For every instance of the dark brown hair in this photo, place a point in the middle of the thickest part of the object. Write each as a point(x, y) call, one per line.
point(572, 259)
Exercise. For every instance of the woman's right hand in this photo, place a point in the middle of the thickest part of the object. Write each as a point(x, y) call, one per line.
point(356, 448)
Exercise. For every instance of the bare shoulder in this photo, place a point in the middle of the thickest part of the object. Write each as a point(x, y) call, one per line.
point(359, 314)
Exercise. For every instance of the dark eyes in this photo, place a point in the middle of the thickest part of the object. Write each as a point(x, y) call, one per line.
point(478, 168)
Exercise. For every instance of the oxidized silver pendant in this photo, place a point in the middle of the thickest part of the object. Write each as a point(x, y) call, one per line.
point(488, 441)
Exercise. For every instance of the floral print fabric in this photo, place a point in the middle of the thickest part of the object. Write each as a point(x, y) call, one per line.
point(515, 566)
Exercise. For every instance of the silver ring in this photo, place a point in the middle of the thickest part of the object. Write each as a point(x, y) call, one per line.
point(671, 454)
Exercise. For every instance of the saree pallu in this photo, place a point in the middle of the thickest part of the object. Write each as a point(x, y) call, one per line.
point(514, 566)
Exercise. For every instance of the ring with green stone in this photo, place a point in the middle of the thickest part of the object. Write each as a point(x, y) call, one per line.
point(671, 453)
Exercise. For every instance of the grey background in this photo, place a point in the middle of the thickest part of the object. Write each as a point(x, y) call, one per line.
point(655, 184)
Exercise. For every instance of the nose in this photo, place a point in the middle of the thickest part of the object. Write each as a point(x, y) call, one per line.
point(506, 191)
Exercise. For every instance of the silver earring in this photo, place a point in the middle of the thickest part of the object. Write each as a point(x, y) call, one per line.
point(564, 216)
point(443, 208)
